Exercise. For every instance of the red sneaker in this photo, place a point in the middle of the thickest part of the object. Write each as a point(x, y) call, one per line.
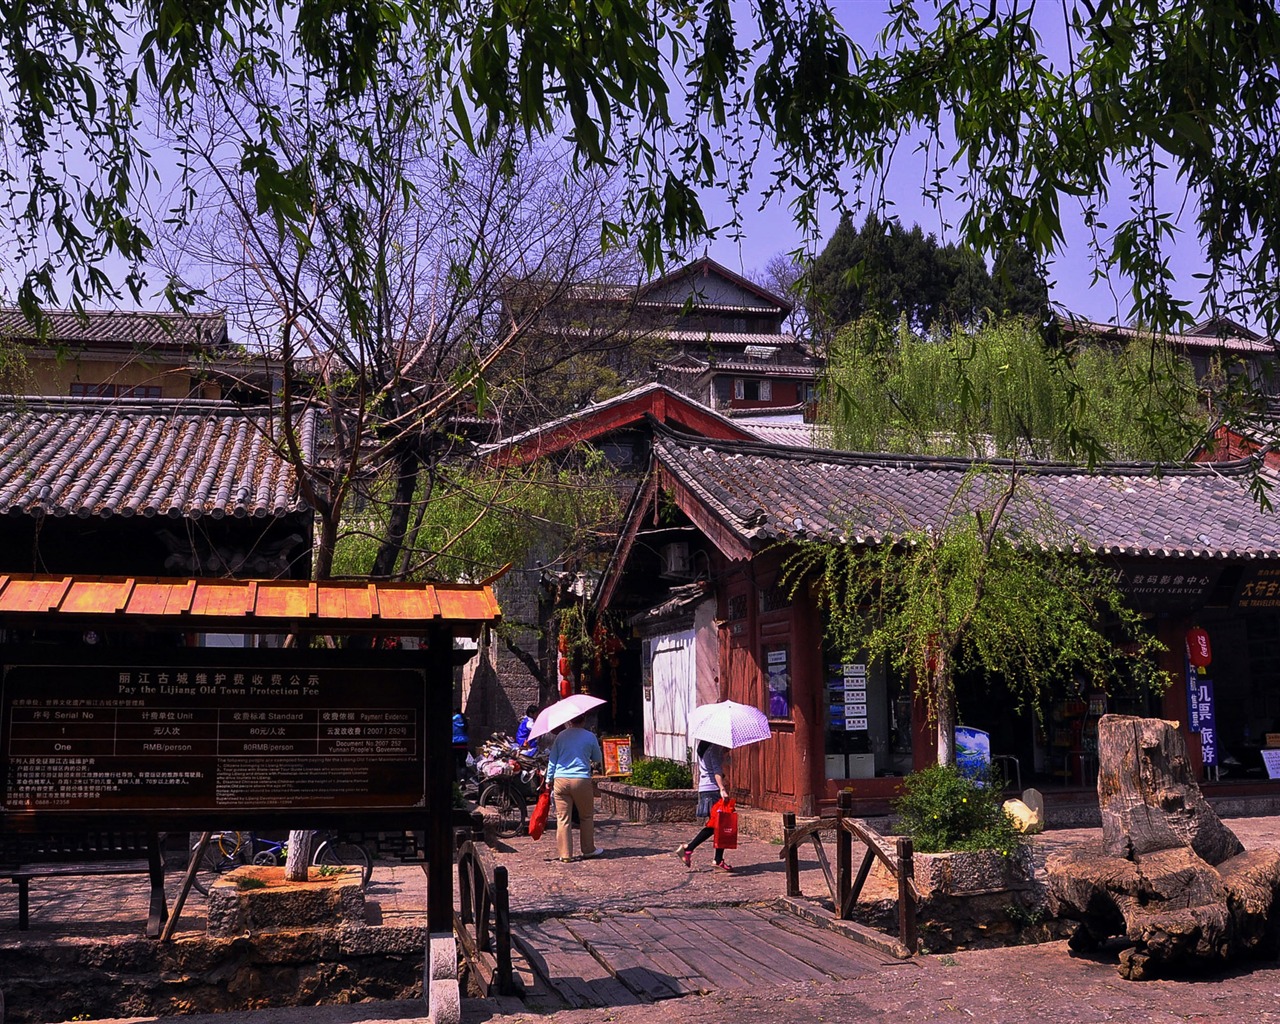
point(722, 866)
point(686, 856)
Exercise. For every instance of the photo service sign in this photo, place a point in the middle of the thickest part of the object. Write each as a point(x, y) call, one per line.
point(1166, 586)
point(156, 737)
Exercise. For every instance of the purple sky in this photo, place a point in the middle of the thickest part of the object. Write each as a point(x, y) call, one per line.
point(772, 230)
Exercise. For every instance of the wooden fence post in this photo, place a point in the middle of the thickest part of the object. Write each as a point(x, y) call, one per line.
point(502, 931)
point(792, 860)
point(906, 901)
point(844, 855)
point(466, 908)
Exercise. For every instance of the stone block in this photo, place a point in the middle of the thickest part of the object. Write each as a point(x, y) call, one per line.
point(255, 899)
point(970, 872)
point(637, 804)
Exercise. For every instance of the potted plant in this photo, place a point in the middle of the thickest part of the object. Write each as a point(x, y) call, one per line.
point(964, 841)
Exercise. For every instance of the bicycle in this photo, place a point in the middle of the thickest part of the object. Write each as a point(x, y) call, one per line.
point(330, 851)
point(510, 789)
point(224, 852)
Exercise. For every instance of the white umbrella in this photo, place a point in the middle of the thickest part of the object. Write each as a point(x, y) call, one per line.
point(562, 711)
point(728, 724)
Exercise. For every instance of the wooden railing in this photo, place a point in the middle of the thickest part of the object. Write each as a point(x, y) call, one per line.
point(482, 922)
point(845, 887)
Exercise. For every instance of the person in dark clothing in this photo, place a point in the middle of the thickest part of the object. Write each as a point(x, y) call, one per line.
point(711, 787)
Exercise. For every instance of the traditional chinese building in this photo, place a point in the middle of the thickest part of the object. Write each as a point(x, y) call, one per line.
point(1193, 547)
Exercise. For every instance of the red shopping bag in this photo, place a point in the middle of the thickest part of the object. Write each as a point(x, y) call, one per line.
point(538, 819)
point(724, 825)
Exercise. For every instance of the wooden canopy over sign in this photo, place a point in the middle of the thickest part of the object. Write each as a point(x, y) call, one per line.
point(245, 606)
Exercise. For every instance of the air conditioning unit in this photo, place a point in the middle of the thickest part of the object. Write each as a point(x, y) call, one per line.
point(675, 560)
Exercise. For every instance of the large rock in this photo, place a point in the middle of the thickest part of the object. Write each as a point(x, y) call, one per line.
point(1169, 876)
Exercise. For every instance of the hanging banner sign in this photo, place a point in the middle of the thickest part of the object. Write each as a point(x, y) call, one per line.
point(1204, 715)
point(1193, 689)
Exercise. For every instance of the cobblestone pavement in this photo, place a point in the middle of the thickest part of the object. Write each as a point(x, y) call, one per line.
point(1042, 984)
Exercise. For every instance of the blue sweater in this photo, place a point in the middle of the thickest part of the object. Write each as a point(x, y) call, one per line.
point(572, 753)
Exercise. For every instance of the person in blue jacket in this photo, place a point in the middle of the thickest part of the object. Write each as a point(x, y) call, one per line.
point(569, 771)
point(522, 730)
point(460, 744)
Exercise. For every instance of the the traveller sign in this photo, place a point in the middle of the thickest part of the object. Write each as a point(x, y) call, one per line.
point(1259, 588)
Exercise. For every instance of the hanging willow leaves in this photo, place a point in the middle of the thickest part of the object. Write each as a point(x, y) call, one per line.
point(999, 390)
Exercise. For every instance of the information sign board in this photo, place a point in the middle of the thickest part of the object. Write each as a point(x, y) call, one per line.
point(147, 737)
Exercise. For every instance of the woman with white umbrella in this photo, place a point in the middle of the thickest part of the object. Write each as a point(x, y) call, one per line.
point(569, 772)
point(719, 728)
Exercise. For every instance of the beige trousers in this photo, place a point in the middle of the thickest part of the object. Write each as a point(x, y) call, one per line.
point(568, 794)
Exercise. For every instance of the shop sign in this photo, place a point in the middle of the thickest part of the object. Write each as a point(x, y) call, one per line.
point(1259, 588)
point(1164, 585)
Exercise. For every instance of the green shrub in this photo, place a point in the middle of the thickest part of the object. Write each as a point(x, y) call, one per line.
point(660, 773)
point(942, 809)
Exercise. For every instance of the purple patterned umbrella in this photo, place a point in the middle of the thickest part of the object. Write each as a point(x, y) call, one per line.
point(728, 724)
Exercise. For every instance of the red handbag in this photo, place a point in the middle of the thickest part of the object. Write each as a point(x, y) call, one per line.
point(724, 825)
point(541, 811)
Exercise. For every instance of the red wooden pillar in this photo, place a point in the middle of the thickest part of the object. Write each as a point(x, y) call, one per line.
point(807, 687)
point(924, 732)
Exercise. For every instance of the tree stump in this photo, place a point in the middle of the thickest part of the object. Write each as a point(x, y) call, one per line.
point(1169, 876)
point(1148, 797)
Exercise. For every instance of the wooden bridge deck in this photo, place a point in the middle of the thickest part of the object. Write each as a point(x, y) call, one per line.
point(623, 958)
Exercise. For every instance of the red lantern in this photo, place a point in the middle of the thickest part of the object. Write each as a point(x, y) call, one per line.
point(566, 687)
point(931, 655)
point(1198, 650)
point(564, 666)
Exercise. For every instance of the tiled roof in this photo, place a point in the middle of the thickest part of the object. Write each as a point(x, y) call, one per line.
point(120, 327)
point(763, 494)
point(1196, 339)
point(246, 605)
point(87, 457)
point(784, 341)
point(641, 394)
point(795, 435)
point(705, 266)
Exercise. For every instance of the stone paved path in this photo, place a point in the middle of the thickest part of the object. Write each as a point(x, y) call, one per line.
point(1043, 984)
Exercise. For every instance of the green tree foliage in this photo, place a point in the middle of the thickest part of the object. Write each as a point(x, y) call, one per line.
point(994, 587)
point(481, 519)
point(685, 98)
point(999, 390)
point(888, 271)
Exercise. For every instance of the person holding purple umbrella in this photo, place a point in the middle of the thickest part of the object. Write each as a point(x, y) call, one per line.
point(711, 787)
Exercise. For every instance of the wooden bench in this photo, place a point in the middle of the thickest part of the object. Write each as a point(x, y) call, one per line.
point(27, 857)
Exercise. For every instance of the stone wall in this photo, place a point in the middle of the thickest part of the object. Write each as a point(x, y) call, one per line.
point(136, 977)
point(635, 803)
